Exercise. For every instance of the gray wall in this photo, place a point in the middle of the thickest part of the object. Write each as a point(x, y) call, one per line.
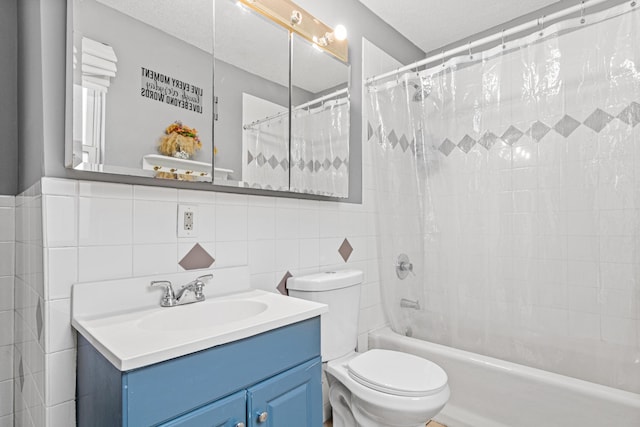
point(31, 95)
point(50, 55)
point(9, 96)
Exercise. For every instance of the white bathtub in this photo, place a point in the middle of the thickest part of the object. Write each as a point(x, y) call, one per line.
point(488, 392)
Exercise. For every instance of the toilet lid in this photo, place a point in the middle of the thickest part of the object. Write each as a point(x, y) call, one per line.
point(397, 373)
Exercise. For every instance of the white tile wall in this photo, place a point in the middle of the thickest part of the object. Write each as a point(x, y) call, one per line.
point(29, 355)
point(123, 231)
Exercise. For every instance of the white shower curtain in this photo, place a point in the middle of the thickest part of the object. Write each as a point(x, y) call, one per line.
point(320, 149)
point(266, 154)
point(511, 178)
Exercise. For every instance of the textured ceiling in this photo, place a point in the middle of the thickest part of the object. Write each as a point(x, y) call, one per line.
point(432, 24)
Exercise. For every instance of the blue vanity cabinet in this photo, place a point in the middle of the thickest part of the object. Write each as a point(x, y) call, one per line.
point(277, 372)
point(227, 412)
point(288, 399)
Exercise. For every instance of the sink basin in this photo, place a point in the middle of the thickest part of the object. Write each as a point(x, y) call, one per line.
point(124, 322)
point(201, 315)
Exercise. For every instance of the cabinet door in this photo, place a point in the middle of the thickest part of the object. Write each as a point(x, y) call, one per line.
point(290, 399)
point(227, 412)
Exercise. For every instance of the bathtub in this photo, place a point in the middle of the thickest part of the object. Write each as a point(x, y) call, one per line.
point(488, 392)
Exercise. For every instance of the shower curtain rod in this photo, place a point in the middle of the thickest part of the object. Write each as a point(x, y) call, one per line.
point(298, 107)
point(492, 38)
point(322, 98)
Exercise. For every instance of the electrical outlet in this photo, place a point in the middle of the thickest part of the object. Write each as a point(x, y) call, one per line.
point(187, 220)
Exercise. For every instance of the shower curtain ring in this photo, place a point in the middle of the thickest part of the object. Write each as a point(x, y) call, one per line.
point(541, 23)
point(469, 46)
point(442, 58)
point(503, 45)
point(582, 20)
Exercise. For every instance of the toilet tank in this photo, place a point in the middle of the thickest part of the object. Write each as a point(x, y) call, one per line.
point(340, 290)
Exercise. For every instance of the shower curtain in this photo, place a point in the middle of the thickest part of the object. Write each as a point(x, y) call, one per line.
point(320, 149)
point(511, 178)
point(266, 154)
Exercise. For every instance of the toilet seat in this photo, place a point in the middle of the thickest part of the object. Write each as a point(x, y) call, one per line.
point(384, 405)
point(396, 373)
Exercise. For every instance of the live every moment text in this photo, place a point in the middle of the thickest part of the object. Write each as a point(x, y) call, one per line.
point(171, 91)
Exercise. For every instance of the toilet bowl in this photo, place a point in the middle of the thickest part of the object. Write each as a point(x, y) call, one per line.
point(385, 388)
point(376, 388)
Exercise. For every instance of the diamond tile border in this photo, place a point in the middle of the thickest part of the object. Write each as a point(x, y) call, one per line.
point(447, 147)
point(538, 131)
point(196, 258)
point(21, 374)
point(631, 114)
point(282, 286)
point(566, 125)
point(39, 322)
point(345, 250)
point(272, 162)
point(466, 144)
point(512, 135)
point(596, 121)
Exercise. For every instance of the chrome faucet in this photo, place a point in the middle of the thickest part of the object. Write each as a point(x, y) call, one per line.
point(171, 298)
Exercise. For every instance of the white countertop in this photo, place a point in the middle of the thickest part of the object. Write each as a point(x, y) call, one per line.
point(121, 332)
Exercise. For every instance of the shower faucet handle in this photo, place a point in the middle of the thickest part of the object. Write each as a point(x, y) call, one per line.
point(403, 267)
point(406, 266)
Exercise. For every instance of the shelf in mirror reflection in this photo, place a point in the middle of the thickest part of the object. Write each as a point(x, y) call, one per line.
point(199, 171)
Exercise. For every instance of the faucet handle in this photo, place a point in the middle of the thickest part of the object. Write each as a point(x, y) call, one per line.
point(199, 284)
point(169, 297)
point(205, 277)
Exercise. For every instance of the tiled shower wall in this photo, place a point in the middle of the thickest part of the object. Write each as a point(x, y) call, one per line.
point(7, 251)
point(94, 231)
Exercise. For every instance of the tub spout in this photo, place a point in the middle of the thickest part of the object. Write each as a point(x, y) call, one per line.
point(407, 303)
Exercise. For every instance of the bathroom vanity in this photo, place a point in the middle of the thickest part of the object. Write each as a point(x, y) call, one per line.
point(228, 385)
point(153, 366)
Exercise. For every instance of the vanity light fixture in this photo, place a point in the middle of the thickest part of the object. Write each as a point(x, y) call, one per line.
point(296, 17)
point(340, 32)
point(297, 20)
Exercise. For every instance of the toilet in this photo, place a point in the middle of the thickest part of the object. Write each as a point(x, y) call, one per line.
point(378, 387)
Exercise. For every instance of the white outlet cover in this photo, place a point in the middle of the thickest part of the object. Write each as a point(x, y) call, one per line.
point(183, 229)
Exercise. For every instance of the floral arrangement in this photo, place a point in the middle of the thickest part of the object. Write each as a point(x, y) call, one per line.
point(179, 141)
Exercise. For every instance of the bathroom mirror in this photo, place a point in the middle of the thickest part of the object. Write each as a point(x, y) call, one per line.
point(207, 100)
point(320, 122)
point(142, 89)
point(248, 78)
point(251, 80)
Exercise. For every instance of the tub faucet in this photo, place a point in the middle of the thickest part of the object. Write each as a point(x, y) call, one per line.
point(171, 298)
point(407, 303)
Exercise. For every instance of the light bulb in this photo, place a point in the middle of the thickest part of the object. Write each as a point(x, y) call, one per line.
point(340, 32)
